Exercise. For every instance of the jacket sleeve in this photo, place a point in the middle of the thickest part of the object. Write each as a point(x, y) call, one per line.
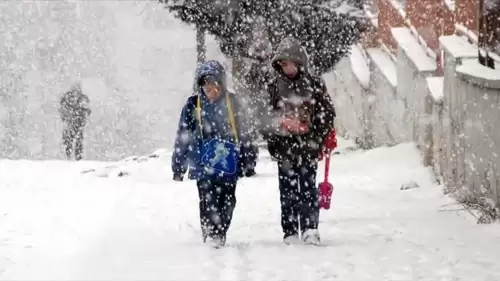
point(184, 141)
point(86, 105)
point(324, 114)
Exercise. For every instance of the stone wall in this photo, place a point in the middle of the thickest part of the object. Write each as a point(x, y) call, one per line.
point(451, 118)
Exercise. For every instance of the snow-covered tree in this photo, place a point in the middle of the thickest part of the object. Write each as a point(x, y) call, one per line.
point(326, 33)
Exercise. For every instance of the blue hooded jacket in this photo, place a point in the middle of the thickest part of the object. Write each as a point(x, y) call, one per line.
point(215, 120)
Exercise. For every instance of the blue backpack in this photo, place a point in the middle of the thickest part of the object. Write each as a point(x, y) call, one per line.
point(219, 157)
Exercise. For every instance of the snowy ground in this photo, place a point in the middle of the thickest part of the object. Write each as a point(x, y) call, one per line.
point(59, 224)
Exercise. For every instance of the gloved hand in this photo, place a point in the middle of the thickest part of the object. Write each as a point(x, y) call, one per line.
point(294, 126)
point(246, 173)
point(250, 173)
point(323, 153)
point(178, 177)
point(329, 144)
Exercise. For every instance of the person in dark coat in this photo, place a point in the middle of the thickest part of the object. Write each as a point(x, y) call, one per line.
point(299, 118)
point(74, 110)
point(213, 140)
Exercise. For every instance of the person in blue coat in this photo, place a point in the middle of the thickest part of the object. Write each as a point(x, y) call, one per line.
point(213, 140)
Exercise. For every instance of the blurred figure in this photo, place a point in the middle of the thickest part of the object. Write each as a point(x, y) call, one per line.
point(74, 110)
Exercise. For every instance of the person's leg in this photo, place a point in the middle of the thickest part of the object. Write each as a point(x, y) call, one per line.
point(255, 147)
point(68, 141)
point(227, 204)
point(288, 186)
point(79, 143)
point(207, 205)
point(309, 205)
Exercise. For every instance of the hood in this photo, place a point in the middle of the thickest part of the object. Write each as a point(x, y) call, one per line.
point(211, 68)
point(290, 49)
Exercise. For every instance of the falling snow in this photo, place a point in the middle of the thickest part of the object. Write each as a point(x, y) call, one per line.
point(104, 80)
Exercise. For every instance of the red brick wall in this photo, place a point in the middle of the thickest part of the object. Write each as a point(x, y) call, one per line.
point(431, 19)
point(466, 13)
point(388, 17)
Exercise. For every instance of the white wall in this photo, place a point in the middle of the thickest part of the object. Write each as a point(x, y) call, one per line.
point(451, 118)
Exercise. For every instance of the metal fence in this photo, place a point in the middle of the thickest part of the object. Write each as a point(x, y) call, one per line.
point(489, 33)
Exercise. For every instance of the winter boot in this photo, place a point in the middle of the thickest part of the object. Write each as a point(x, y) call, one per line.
point(311, 237)
point(291, 239)
point(216, 242)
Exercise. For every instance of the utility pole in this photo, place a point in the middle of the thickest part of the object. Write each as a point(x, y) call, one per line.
point(200, 52)
point(237, 62)
point(200, 46)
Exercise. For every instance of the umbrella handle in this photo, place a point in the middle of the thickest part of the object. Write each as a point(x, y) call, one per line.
point(327, 166)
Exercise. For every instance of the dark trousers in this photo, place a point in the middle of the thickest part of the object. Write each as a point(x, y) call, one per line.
point(217, 203)
point(255, 150)
point(73, 141)
point(299, 197)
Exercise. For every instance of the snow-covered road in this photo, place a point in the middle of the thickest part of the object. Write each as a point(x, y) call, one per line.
point(59, 224)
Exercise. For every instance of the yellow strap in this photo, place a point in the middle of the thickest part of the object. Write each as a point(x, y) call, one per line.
point(198, 113)
point(231, 117)
point(232, 120)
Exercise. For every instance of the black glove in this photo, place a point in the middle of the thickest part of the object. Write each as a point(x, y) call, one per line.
point(246, 173)
point(178, 177)
point(250, 173)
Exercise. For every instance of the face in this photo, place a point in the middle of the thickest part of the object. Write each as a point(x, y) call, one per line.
point(212, 91)
point(289, 68)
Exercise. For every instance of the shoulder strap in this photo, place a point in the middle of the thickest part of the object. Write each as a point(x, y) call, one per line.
point(231, 116)
point(198, 113)
point(232, 120)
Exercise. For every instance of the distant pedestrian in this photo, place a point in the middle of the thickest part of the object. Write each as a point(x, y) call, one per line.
point(74, 110)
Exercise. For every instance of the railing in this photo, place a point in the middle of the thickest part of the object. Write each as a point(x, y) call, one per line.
point(489, 33)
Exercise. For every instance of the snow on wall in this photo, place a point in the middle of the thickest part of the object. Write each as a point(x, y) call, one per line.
point(413, 67)
point(435, 85)
point(479, 88)
point(388, 107)
point(346, 91)
point(457, 46)
point(387, 66)
point(451, 118)
point(410, 45)
point(360, 67)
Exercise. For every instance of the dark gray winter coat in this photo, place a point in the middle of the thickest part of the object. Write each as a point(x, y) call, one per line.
point(309, 93)
point(74, 108)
